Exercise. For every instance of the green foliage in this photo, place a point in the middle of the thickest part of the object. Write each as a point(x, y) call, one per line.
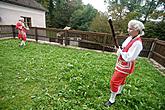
point(123, 11)
point(49, 77)
point(155, 30)
point(100, 23)
point(150, 8)
point(82, 18)
point(62, 13)
point(44, 3)
point(50, 15)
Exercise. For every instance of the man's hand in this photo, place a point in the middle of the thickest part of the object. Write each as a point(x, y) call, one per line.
point(22, 33)
point(118, 51)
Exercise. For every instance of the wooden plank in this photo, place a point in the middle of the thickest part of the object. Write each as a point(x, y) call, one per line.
point(104, 42)
point(152, 48)
point(87, 41)
point(160, 42)
point(159, 55)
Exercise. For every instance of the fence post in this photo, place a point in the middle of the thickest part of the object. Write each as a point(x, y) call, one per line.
point(66, 37)
point(13, 30)
point(36, 34)
point(152, 48)
point(104, 42)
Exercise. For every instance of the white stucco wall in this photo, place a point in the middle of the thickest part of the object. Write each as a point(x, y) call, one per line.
point(10, 14)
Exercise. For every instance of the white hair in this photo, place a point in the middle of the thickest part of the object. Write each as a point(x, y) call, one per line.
point(137, 25)
point(21, 19)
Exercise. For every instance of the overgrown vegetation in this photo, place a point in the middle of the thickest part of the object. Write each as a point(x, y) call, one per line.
point(74, 13)
point(155, 30)
point(48, 77)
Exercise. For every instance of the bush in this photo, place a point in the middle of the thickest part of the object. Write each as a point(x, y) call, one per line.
point(155, 30)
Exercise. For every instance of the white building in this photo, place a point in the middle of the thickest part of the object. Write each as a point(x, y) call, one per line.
point(32, 11)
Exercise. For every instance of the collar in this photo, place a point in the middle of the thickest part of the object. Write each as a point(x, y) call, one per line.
point(135, 37)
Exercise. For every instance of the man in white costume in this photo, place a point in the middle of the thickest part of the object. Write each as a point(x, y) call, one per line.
point(22, 29)
point(125, 64)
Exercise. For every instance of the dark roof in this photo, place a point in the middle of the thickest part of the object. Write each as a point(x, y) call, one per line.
point(26, 3)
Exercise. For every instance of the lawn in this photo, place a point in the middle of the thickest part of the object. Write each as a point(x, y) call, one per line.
point(48, 77)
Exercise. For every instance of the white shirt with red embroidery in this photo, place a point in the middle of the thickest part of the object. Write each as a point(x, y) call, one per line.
point(133, 51)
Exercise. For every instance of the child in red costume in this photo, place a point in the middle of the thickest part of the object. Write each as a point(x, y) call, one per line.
point(131, 48)
point(22, 29)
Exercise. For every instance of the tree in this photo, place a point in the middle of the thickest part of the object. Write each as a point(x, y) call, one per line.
point(63, 11)
point(123, 11)
point(82, 18)
point(155, 30)
point(59, 11)
point(150, 8)
point(44, 3)
point(100, 23)
point(50, 14)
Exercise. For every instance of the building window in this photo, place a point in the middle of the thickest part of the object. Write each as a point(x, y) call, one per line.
point(27, 20)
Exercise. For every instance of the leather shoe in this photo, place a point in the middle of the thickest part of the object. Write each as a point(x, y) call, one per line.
point(119, 94)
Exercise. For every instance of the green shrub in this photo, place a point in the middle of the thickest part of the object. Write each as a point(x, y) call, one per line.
point(155, 30)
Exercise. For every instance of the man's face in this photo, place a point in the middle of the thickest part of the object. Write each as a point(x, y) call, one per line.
point(22, 20)
point(132, 32)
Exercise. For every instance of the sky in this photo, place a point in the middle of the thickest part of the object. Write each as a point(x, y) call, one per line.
point(98, 4)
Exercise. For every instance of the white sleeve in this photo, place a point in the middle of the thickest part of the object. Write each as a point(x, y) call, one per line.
point(133, 52)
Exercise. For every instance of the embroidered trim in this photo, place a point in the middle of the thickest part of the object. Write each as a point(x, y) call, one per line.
point(122, 66)
point(121, 71)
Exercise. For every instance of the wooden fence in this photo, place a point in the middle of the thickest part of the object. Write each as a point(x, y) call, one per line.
point(153, 48)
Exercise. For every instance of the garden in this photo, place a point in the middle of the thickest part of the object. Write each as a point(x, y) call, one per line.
point(50, 77)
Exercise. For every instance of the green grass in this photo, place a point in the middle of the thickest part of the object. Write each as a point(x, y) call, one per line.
point(47, 77)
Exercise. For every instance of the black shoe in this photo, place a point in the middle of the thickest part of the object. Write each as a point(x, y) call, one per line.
point(108, 103)
point(119, 94)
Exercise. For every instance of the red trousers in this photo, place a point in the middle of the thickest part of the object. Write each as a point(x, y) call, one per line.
point(117, 79)
point(23, 37)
